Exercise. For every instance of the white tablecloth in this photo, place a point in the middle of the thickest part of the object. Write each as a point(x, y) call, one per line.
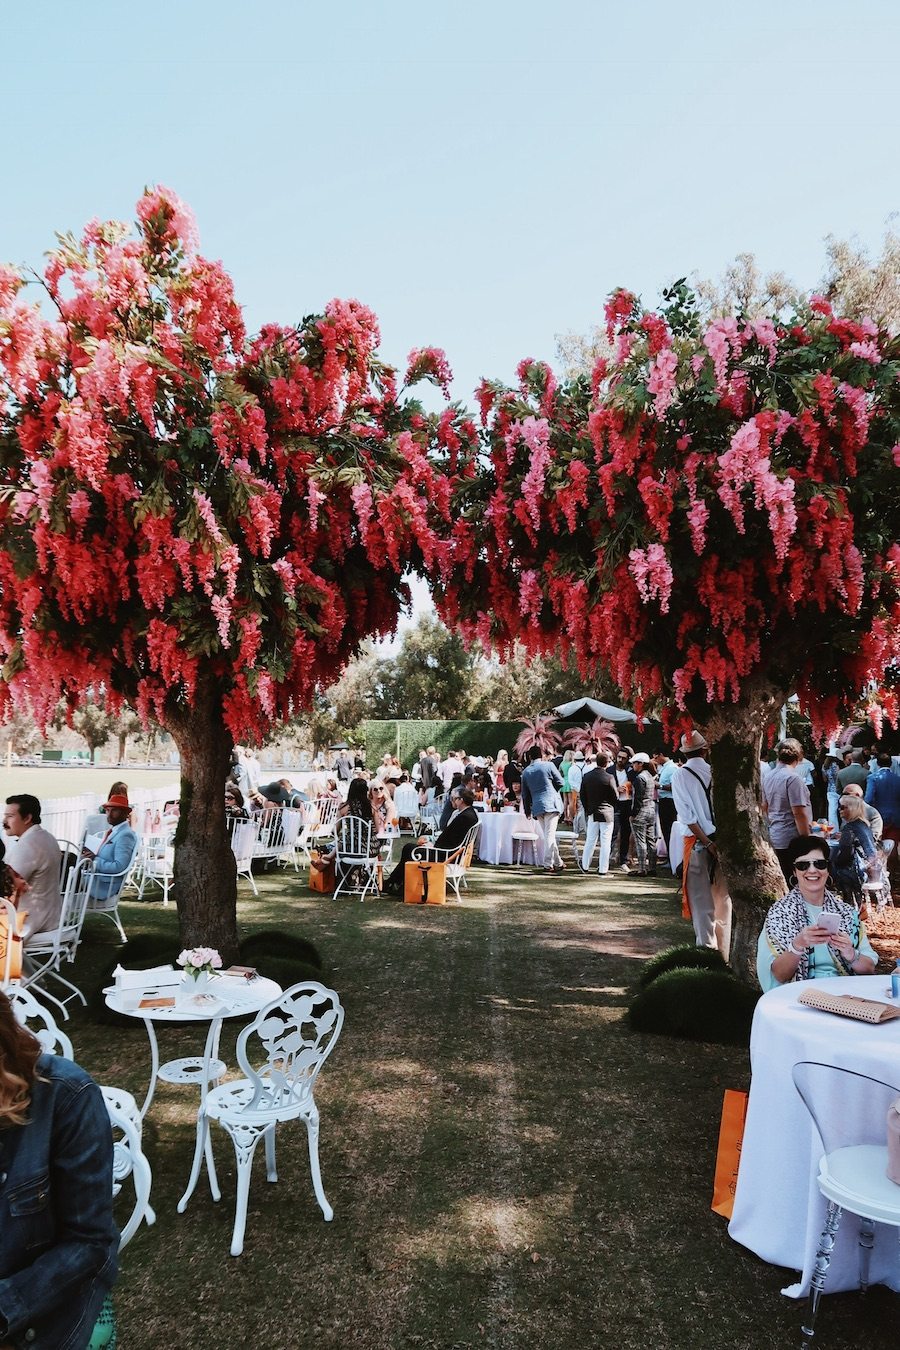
point(778, 1208)
point(495, 838)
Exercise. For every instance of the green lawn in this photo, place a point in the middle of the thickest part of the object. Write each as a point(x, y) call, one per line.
point(49, 780)
point(510, 1166)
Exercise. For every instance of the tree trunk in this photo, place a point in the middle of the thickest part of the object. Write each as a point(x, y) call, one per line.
point(123, 746)
point(205, 870)
point(754, 876)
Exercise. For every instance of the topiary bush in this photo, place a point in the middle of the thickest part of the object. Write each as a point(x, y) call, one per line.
point(698, 1005)
point(684, 957)
point(282, 957)
point(273, 942)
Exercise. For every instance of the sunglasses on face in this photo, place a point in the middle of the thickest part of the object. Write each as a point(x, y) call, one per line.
point(804, 864)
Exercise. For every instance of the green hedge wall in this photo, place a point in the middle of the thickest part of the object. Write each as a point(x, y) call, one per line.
point(478, 738)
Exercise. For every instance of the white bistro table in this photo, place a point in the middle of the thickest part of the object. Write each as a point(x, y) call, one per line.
point(495, 838)
point(778, 1208)
point(229, 996)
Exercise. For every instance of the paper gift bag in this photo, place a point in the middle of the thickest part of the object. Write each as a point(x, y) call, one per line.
point(321, 875)
point(15, 970)
point(425, 883)
point(731, 1137)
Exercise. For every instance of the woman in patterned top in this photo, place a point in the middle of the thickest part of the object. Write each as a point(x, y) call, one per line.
point(797, 941)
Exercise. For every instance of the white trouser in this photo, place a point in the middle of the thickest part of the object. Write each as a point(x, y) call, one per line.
point(602, 830)
point(710, 903)
point(547, 825)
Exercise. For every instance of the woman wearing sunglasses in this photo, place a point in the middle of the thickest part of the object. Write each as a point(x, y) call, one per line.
point(797, 941)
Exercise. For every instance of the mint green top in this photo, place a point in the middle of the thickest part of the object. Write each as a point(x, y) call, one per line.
point(821, 961)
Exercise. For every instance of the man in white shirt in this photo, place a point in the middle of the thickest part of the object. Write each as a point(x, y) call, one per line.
point(451, 765)
point(704, 884)
point(34, 856)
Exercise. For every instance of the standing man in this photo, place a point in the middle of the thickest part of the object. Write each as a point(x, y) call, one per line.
point(343, 767)
point(451, 765)
point(429, 767)
point(643, 814)
point(599, 799)
point(665, 767)
point(34, 856)
point(786, 802)
point(577, 769)
point(116, 854)
point(623, 781)
point(854, 771)
point(541, 787)
point(703, 885)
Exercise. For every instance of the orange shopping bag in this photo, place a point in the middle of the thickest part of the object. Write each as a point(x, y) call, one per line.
point(15, 970)
point(425, 883)
point(728, 1158)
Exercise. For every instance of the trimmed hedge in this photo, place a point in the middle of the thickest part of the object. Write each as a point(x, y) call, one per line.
point(698, 1005)
point(478, 738)
point(682, 958)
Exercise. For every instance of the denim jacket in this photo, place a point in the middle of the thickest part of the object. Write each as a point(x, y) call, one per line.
point(58, 1241)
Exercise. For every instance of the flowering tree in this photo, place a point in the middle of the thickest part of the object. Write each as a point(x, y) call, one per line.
point(712, 517)
point(198, 524)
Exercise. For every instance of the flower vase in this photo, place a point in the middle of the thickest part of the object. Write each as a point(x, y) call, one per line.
point(200, 983)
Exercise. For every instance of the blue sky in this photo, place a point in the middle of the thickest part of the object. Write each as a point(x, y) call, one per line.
point(480, 174)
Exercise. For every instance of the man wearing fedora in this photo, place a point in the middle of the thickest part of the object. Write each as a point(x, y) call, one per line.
point(116, 852)
point(703, 882)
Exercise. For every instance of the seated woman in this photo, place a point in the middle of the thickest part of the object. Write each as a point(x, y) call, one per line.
point(794, 944)
point(234, 803)
point(58, 1241)
point(384, 811)
point(855, 854)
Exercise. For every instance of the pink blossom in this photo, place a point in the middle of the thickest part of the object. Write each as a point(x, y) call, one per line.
point(746, 465)
point(207, 514)
point(661, 382)
point(719, 339)
point(866, 351)
point(652, 574)
point(361, 496)
point(896, 453)
point(163, 209)
point(222, 612)
point(315, 497)
point(535, 432)
point(530, 595)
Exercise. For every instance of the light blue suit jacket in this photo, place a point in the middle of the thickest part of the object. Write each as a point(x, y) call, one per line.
point(113, 859)
point(541, 785)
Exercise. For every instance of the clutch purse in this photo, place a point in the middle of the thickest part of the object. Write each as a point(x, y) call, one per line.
point(848, 1005)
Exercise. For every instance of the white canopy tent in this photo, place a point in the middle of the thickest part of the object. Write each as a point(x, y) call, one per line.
point(589, 708)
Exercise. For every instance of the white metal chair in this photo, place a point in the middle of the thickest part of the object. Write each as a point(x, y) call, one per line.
point(852, 1170)
point(69, 854)
point(9, 915)
point(457, 860)
point(406, 804)
point(877, 888)
point(157, 865)
point(326, 809)
point(352, 858)
point(129, 1159)
point(297, 1032)
point(120, 1105)
point(243, 845)
point(522, 835)
point(45, 952)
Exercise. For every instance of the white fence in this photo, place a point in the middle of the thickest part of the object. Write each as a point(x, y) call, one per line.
point(64, 817)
